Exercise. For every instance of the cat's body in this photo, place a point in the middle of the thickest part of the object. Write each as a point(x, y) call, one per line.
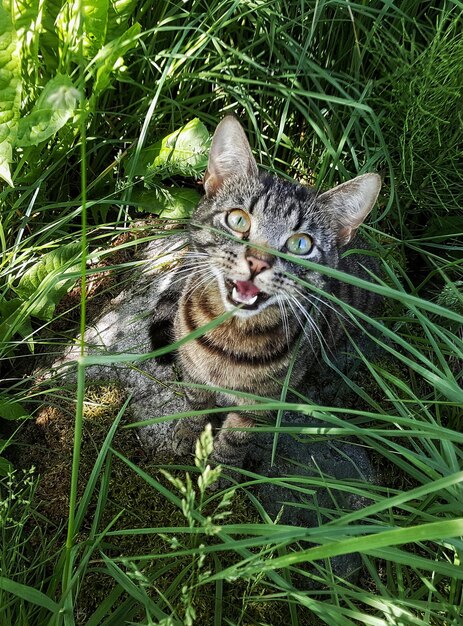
point(244, 216)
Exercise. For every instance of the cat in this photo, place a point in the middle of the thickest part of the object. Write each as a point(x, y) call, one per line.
point(230, 268)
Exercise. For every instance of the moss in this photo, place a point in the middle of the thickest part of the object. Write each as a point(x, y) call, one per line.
point(49, 447)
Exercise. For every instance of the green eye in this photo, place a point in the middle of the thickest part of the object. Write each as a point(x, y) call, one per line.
point(300, 243)
point(239, 221)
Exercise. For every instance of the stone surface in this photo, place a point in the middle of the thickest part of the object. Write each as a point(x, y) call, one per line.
point(123, 327)
point(303, 504)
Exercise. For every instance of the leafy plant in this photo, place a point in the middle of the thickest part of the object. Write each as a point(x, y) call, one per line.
point(97, 35)
point(11, 93)
point(41, 52)
point(182, 153)
point(127, 93)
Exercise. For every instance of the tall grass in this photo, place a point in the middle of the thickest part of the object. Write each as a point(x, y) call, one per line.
point(325, 90)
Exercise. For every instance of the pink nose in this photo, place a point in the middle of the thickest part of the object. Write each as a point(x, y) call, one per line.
point(257, 265)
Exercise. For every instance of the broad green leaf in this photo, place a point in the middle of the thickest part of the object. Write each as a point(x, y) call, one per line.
point(43, 286)
point(14, 319)
point(173, 203)
point(50, 44)
point(119, 14)
point(52, 110)
point(10, 92)
point(5, 466)
point(28, 593)
point(184, 151)
point(104, 21)
point(94, 15)
point(11, 409)
point(179, 203)
point(24, 14)
point(109, 58)
point(67, 23)
point(27, 19)
point(95, 25)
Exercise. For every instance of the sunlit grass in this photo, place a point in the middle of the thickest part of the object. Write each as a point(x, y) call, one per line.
point(325, 90)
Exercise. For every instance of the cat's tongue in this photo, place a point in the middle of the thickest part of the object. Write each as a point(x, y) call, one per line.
point(245, 291)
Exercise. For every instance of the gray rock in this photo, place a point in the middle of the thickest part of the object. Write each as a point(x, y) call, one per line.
point(308, 503)
point(123, 328)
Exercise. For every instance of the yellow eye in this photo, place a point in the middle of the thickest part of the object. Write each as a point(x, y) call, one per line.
point(300, 243)
point(239, 221)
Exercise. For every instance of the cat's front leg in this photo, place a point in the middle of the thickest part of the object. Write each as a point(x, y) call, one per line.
point(188, 429)
point(231, 445)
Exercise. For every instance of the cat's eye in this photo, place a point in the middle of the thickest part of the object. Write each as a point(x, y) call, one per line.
point(239, 221)
point(300, 243)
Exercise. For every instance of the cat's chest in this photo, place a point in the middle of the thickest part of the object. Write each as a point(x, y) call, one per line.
point(233, 355)
point(230, 370)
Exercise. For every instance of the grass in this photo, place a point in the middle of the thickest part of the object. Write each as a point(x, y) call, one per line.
point(325, 90)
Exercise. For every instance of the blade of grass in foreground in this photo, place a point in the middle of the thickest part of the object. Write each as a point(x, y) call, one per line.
point(29, 594)
point(78, 424)
point(424, 532)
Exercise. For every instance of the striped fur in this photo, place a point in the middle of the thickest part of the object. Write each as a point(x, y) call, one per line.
point(252, 350)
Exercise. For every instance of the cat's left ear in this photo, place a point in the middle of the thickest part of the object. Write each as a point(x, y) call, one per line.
point(230, 155)
point(350, 203)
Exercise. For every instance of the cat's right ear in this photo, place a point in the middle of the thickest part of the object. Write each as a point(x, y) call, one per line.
point(349, 204)
point(230, 155)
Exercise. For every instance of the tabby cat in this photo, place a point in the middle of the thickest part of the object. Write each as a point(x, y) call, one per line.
point(230, 267)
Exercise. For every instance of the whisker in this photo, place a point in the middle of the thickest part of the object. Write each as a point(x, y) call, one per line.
point(313, 305)
point(203, 282)
point(285, 320)
point(337, 313)
point(321, 300)
point(299, 322)
point(313, 324)
point(195, 254)
point(323, 342)
point(189, 268)
point(284, 316)
point(190, 271)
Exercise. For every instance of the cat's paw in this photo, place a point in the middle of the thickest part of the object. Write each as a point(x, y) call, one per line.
point(184, 439)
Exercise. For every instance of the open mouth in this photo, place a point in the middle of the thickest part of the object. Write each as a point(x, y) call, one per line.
point(245, 294)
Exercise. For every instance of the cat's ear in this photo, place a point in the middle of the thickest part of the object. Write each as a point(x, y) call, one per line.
point(230, 155)
point(350, 203)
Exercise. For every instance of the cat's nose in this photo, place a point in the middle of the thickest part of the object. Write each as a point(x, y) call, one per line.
point(257, 265)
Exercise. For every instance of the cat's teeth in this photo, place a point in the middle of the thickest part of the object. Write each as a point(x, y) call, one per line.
point(238, 298)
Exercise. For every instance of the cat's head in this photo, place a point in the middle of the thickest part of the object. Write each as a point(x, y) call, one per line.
point(265, 212)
